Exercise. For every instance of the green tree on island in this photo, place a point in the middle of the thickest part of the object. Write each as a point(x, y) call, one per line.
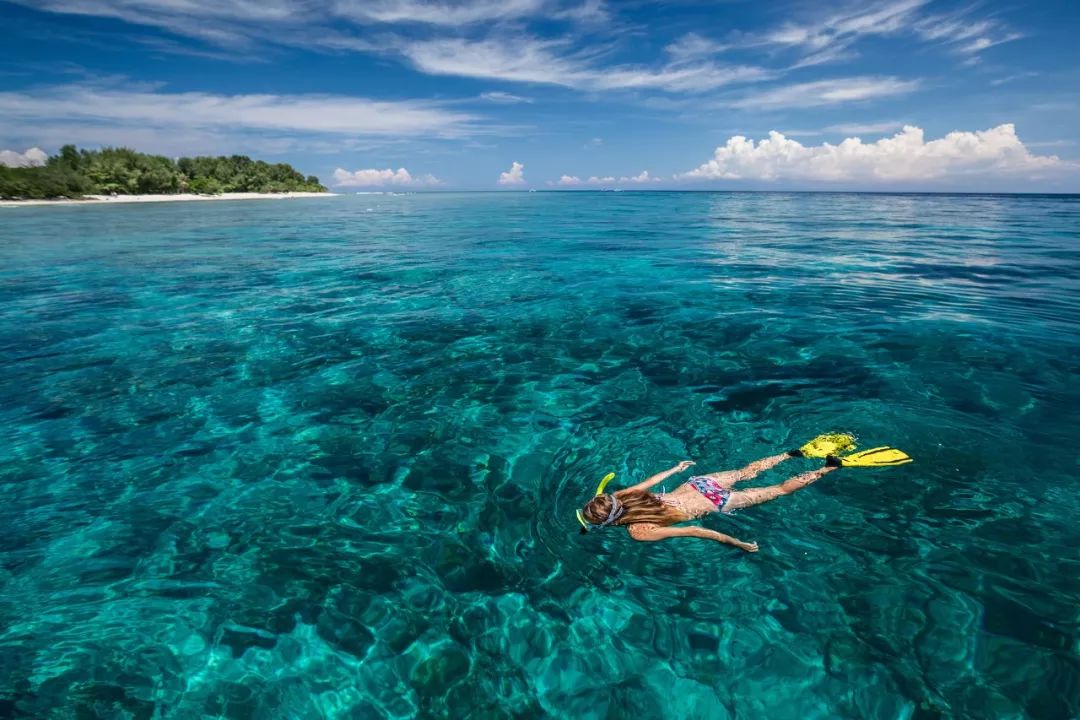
point(73, 173)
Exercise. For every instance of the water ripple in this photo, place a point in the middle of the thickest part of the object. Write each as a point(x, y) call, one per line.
point(320, 459)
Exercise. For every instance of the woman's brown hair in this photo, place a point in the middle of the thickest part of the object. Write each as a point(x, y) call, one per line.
point(640, 507)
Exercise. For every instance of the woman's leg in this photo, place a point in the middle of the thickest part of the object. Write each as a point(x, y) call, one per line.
point(756, 496)
point(728, 478)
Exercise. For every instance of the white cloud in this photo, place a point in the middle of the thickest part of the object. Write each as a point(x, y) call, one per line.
point(966, 35)
point(905, 157)
point(865, 128)
point(505, 98)
point(373, 177)
point(224, 21)
point(575, 181)
point(642, 177)
point(832, 37)
point(692, 46)
point(826, 92)
point(34, 157)
point(874, 18)
point(824, 56)
point(328, 114)
point(439, 13)
point(530, 60)
point(514, 176)
point(827, 39)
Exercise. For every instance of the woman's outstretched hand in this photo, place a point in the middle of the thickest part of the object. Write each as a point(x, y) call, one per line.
point(683, 466)
point(748, 546)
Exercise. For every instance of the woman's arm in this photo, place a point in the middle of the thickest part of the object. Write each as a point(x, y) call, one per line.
point(652, 533)
point(660, 477)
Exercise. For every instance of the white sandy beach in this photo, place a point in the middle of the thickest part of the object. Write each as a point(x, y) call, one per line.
point(180, 197)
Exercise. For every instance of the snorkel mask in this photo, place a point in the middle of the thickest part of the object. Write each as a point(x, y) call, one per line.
point(617, 509)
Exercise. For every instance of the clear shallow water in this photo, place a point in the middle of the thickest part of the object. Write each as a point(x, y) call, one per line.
point(320, 458)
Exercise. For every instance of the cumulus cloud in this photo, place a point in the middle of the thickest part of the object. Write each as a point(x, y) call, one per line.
point(373, 177)
point(514, 176)
point(907, 156)
point(642, 177)
point(574, 180)
point(33, 157)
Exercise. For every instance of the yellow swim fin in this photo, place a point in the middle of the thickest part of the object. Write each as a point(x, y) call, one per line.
point(884, 456)
point(825, 445)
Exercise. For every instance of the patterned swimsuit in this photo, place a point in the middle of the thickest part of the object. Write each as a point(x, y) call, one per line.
point(717, 494)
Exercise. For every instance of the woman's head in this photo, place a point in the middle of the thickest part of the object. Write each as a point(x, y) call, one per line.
point(632, 506)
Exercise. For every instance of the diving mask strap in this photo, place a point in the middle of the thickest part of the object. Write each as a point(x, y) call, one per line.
point(617, 511)
point(599, 491)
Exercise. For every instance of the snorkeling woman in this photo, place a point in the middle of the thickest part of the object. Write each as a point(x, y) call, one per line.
point(650, 516)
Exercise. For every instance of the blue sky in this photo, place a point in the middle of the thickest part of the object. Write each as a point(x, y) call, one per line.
point(569, 94)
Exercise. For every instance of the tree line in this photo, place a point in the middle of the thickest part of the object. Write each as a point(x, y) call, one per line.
point(73, 173)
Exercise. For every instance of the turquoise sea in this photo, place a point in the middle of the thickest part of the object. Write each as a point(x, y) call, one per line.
point(319, 458)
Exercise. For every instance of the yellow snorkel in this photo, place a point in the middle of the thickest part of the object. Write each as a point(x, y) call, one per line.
point(599, 491)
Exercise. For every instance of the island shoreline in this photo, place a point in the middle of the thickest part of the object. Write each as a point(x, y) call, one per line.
point(177, 197)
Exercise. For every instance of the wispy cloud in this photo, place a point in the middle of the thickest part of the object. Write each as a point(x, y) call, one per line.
point(693, 46)
point(173, 47)
point(329, 114)
point(505, 98)
point(905, 157)
point(964, 32)
point(153, 120)
point(373, 177)
point(825, 92)
point(223, 20)
point(829, 38)
point(520, 58)
point(440, 13)
point(865, 128)
point(1013, 77)
point(832, 36)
